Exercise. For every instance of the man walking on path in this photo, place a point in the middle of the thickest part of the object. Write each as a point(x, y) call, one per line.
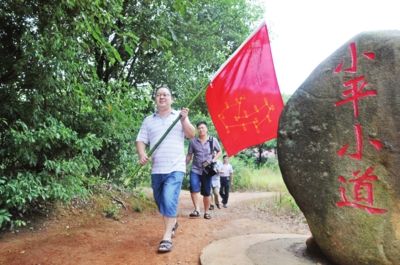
point(226, 176)
point(201, 150)
point(168, 160)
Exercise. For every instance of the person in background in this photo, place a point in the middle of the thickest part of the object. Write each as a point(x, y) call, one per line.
point(215, 187)
point(226, 176)
point(168, 160)
point(201, 150)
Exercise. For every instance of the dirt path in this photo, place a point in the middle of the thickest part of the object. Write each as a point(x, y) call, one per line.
point(134, 238)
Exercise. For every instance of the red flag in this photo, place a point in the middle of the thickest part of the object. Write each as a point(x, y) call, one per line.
point(243, 98)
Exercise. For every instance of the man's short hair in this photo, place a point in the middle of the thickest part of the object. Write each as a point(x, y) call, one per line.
point(200, 123)
point(162, 86)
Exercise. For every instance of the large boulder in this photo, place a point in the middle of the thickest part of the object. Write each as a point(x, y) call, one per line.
point(339, 150)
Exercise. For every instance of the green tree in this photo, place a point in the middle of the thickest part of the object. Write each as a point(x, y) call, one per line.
point(77, 78)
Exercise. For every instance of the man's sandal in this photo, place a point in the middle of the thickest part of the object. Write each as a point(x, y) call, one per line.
point(207, 216)
point(174, 229)
point(195, 213)
point(165, 246)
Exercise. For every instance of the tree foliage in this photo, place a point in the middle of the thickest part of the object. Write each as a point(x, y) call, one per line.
point(77, 78)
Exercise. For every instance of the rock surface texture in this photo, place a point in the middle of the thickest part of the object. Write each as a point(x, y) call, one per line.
point(339, 150)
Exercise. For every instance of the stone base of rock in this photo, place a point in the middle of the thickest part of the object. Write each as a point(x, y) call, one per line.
point(260, 249)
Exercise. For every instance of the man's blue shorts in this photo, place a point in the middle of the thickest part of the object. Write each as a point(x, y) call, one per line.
point(166, 190)
point(200, 183)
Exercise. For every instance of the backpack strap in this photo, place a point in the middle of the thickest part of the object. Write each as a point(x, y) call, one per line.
point(211, 140)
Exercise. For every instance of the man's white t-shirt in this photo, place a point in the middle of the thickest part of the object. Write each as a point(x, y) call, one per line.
point(225, 170)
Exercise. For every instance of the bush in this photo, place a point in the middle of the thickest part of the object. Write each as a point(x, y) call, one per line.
point(47, 163)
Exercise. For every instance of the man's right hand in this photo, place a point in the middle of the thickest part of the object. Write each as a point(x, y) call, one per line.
point(143, 158)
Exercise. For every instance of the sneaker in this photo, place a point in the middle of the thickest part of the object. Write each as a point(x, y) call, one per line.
point(225, 206)
point(219, 207)
point(211, 207)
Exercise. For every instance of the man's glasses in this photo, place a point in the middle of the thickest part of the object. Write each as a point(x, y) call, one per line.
point(163, 95)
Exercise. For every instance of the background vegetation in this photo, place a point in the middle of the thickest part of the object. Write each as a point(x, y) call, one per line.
point(77, 79)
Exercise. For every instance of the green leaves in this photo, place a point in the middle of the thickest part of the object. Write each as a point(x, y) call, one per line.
point(77, 78)
point(5, 217)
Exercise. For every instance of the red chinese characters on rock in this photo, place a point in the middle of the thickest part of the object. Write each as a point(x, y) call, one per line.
point(355, 93)
point(363, 196)
point(362, 192)
point(377, 144)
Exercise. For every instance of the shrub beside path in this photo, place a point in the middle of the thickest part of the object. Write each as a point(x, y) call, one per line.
point(134, 238)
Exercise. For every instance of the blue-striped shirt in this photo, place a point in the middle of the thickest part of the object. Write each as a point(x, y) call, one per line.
point(170, 154)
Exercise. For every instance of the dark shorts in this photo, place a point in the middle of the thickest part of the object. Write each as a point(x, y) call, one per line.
point(200, 183)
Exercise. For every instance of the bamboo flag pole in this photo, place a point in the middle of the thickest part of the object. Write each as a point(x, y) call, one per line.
point(127, 180)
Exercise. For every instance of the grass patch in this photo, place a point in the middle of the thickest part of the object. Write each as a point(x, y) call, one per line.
point(113, 200)
point(268, 178)
point(264, 179)
point(283, 201)
point(142, 202)
point(106, 200)
point(281, 204)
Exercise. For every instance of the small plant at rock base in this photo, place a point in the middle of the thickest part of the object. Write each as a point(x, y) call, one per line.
point(112, 211)
point(285, 202)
